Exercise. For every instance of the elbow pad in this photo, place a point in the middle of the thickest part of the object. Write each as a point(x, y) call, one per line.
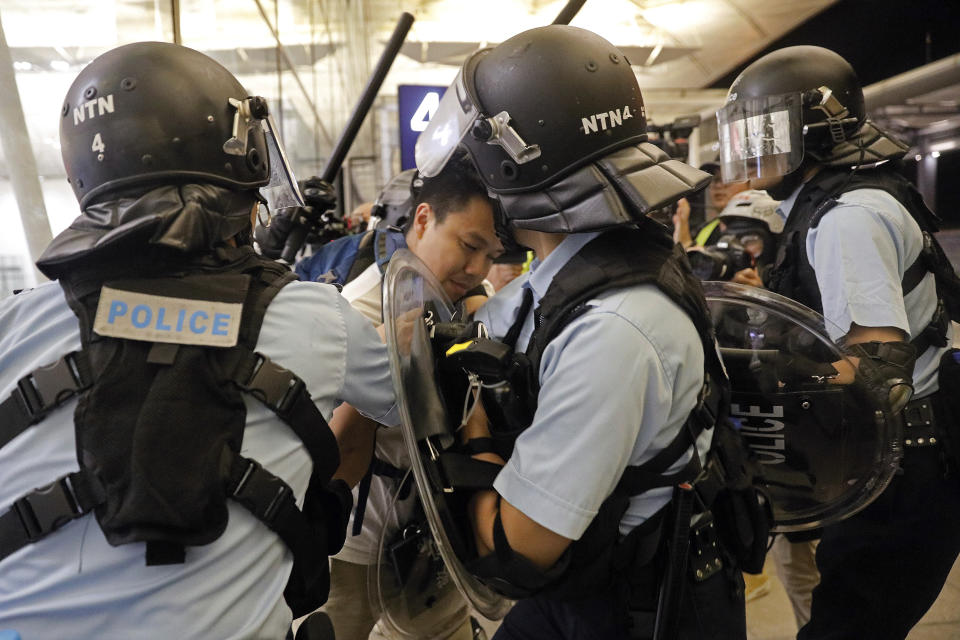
point(512, 575)
point(886, 369)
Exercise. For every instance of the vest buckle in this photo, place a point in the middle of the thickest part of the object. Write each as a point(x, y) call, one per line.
point(48, 508)
point(273, 385)
point(46, 387)
point(261, 492)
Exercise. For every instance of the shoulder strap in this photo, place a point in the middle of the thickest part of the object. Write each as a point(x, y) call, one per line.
point(284, 393)
point(365, 256)
point(513, 334)
point(616, 259)
point(41, 391)
point(268, 278)
point(384, 248)
point(44, 510)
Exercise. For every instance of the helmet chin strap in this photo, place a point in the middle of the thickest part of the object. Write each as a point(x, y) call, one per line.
point(503, 228)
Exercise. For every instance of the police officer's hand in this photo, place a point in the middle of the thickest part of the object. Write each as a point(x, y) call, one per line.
point(273, 239)
point(318, 194)
point(792, 368)
point(885, 370)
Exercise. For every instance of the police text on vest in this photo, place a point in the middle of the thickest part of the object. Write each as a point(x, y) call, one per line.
point(152, 318)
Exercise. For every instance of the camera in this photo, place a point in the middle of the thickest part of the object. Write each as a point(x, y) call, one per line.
point(672, 138)
point(721, 260)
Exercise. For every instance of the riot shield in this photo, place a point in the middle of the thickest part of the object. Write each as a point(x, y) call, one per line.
point(826, 449)
point(413, 305)
point(410, 583)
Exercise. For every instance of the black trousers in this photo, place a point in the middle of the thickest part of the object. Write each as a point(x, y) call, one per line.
point(711, 610)
point(881, 569)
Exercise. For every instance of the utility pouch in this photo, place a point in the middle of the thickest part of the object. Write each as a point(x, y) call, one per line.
point(741, 509)
point(153, 427)
point(705, 557)
point(949, 402)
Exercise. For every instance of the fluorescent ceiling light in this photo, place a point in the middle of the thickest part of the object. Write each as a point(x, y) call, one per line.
point(946, 145)
point(681, 16)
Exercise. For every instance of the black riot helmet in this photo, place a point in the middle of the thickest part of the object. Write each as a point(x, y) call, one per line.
point(792, 101)
point(153, 113)
point(535, 108)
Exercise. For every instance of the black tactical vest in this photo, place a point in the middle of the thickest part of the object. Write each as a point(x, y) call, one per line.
point(168, 349)
point(791, 274)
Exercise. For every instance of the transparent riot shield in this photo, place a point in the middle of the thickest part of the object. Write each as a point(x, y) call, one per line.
point(413, 304)
point(411, 584)
point(827, 446)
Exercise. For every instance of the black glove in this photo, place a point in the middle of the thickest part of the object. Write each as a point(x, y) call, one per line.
point(318, 194)
point(886, 371)
point(272, 239)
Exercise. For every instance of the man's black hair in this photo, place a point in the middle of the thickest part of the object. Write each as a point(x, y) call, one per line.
point(452, 189)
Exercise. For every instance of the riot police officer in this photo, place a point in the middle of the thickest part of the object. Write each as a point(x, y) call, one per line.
point(161, 418)
point(575, 523)
point(858, 247)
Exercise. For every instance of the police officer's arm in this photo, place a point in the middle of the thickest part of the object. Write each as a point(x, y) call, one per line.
point(856, 252)
point(862, 335)
point(536, 543)
point(366, 384)
point(356, 435)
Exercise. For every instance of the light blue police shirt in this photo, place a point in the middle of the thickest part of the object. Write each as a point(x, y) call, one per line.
point(616, 385)
point(73, 584)
point(860, 251)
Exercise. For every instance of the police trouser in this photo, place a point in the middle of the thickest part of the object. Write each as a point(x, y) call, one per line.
point(881, 569)
point(711, 609)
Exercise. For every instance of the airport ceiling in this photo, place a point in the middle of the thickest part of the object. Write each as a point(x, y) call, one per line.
point(684, 52)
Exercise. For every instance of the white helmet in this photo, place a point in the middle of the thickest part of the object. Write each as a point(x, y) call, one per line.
point(756, 205)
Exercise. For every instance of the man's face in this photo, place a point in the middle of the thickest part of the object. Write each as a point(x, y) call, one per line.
point(460, 250)
point(720, 192)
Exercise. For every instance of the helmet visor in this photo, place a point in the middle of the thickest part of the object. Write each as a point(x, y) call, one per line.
point(282, 191)
point(760, 137)
point(453, 118)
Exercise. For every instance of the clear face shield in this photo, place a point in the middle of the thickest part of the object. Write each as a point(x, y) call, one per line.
point(760, 137)
point(252, 114)
point(457, 115)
